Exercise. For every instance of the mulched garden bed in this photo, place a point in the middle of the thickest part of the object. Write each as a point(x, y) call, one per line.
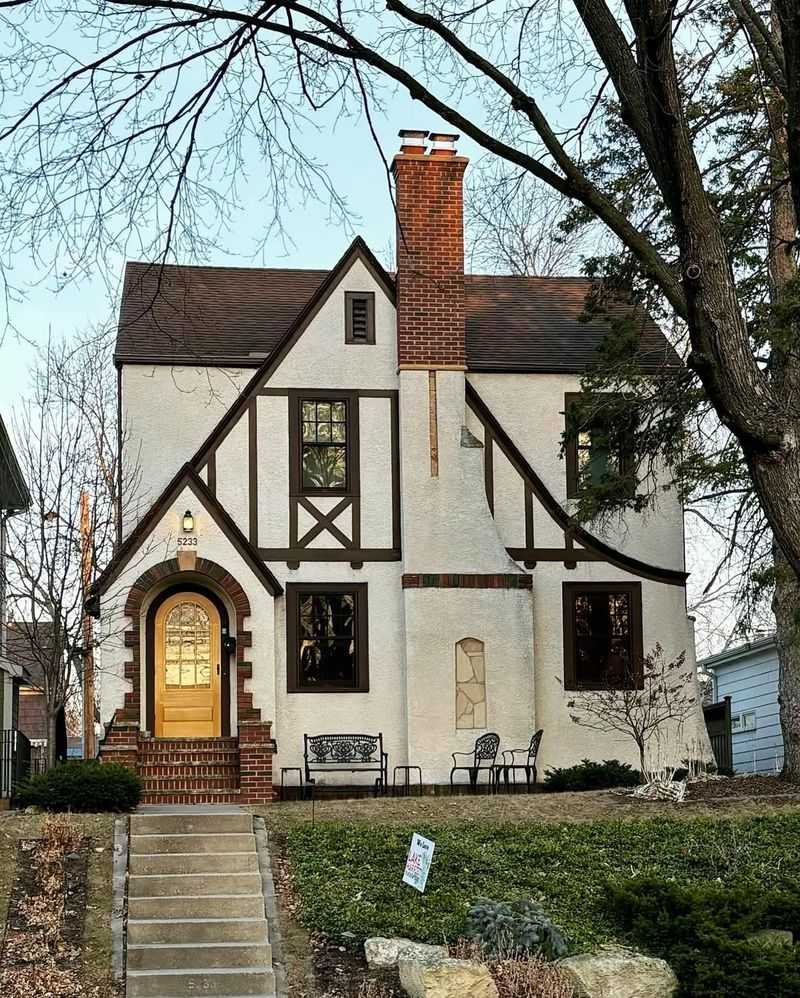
point(742, 786)
point(41, 954)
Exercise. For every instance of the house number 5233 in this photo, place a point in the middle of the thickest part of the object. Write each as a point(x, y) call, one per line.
point(187, 542)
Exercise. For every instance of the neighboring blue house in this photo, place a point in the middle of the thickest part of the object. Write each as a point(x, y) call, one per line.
point(748, 674)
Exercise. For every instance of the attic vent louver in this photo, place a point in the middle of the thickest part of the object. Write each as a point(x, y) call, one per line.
point(359, 317)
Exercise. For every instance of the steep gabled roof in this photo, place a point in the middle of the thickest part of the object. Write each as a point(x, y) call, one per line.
point(186, 476)
point(14, 493)
point(238, 316)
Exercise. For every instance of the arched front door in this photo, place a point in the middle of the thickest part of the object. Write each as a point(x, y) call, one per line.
point(187, 667)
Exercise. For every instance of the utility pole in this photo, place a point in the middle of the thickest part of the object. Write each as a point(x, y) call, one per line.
point(89, 747)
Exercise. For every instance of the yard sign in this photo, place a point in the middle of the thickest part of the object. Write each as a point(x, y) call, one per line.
point(419, 862)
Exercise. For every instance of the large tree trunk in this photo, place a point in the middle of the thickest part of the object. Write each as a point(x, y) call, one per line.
point(786, 606)
point(785, 376)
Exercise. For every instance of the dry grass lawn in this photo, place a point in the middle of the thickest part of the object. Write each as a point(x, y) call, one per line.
point(99, 828)
point(523, 808)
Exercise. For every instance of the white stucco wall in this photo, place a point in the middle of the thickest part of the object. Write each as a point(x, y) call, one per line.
point(531, 410)
point(167, 413)
point(383, 708)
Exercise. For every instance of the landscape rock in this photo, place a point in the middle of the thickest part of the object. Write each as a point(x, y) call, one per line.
point(443, 977)
point(615, 972)
point(382, 953)
point(772, 937)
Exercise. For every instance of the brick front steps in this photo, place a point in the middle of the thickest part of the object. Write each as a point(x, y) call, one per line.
point(196, 770)
point(196, 922)
point(189, 770)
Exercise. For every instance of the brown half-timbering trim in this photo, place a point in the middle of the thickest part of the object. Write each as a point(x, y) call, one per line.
point(394, 419)
point(528, 500)
point(296, 554)
point(358, 249)
point(150, 653)
point(211, 469)
point(361, 631)
point(349, 298)
point(364, 393)
point(350, 399)
point(571, 448)
point(469, 580)
point(252, 465)
point(488, 467)
point(185, 477)
point(325, 522)
point(568, 592)
point(557, 512)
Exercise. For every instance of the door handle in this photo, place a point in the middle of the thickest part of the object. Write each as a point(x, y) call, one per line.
point(217, 668)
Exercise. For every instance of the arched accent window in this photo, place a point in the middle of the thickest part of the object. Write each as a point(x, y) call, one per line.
point(187, 645)
point(470, 684)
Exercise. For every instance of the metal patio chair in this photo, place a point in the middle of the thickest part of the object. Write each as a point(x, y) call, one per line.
point(482, 757)
point(520, 759)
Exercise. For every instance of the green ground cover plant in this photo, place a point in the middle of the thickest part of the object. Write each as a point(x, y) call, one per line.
point(82, 786)
point(348, 876)
point(705, 933)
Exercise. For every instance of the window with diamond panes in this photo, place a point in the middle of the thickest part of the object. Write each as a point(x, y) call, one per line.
point(324, 444)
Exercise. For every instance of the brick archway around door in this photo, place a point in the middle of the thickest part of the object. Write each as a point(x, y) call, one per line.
point(124, 741)
point(169, 571)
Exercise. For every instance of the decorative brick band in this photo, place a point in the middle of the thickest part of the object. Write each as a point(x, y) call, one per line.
point(467, 581)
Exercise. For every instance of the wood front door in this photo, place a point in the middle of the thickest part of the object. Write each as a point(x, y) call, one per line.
point(187, 667)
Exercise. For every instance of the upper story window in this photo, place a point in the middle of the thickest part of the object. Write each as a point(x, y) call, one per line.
point(359, 316)
point(602, 635)
point(598, 450)
point(324, 445)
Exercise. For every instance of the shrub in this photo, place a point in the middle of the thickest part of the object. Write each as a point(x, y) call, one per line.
point(515, 928)
point(82, 786)
point(703, 931)
point(590, 775)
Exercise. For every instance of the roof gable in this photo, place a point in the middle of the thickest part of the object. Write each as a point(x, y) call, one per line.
point(186, 477)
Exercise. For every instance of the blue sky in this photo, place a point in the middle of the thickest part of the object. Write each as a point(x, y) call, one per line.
point(355, 167)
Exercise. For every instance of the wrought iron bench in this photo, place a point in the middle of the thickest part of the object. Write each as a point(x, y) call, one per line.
point(346, 754)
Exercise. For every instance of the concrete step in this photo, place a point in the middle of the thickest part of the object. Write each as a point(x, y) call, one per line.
point(173, 863)
point(198, 930)
point(232, 983)
point(186, 906)
point(193, 884)
point(192, 843)
point(198, 956)
point(187, 823)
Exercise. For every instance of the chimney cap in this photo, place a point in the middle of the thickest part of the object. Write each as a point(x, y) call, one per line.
point(443, 143)
point(412, 141)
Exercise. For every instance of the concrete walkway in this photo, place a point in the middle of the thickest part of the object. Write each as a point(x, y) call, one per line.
point(196, 920)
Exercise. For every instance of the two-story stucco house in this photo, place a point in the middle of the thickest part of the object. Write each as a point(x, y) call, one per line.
point(353, 515)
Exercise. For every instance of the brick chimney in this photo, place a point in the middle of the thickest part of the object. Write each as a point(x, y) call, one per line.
point(430, 252)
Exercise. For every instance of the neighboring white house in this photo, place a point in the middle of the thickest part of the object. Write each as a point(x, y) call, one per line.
point(353, 514)
point(748, 674)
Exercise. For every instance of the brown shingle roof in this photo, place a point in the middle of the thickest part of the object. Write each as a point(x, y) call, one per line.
point(237, 315)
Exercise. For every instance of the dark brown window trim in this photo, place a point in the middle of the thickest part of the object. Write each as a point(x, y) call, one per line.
point(359, 592)
point(568, 590)
point(349, 298)
point(296, 399)
point(571, 450)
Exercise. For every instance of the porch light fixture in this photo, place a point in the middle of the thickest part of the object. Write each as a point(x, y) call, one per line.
point(188, 522)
